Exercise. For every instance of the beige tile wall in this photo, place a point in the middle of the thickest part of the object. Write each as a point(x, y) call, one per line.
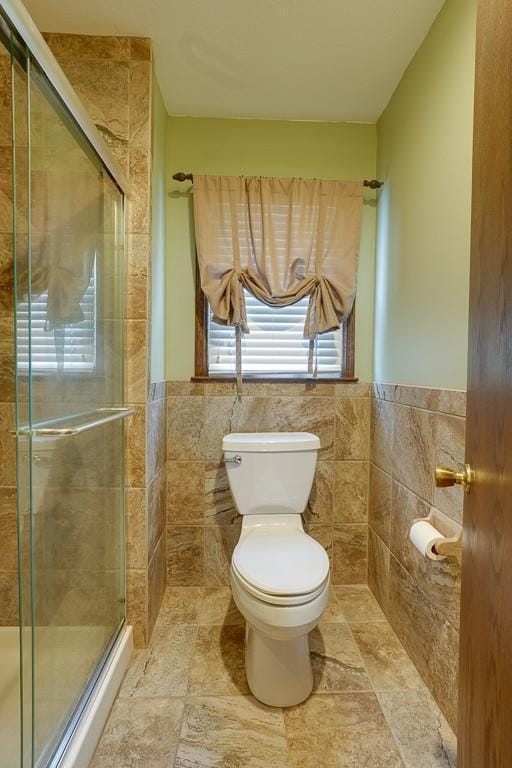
point(113, 77)
point(202, 523)
point(412, 430)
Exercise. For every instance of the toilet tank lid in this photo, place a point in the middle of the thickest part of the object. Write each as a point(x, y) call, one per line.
point(269, 442)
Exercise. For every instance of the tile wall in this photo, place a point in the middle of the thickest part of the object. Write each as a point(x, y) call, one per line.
point(412, 430)
point(202, 523)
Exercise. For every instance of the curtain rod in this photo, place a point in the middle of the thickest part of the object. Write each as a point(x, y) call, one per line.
point(372, 183)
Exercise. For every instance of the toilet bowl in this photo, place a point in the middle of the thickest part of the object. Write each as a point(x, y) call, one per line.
point(279, 574)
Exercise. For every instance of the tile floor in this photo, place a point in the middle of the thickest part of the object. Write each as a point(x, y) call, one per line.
point(185, 703)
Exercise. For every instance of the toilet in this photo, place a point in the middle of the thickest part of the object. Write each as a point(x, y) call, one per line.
point(279, 574)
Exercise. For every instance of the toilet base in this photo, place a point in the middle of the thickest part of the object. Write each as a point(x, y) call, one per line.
point(278, 671)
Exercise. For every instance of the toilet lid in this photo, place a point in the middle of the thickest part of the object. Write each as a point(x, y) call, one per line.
point(281, 562)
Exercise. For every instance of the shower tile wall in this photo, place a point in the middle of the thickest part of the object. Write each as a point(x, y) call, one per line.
point(412, 430)
point(8, 534)
point(113, 77)
point(202, 524)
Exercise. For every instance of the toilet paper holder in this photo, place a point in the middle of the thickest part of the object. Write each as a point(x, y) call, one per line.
point(450, 545)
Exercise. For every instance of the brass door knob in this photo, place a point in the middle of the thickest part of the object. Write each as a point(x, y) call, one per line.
point(445, 477)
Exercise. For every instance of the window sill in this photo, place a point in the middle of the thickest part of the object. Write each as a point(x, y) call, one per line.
point(276, 379)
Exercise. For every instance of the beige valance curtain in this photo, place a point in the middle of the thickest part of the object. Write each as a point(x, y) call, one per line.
point(281, 239)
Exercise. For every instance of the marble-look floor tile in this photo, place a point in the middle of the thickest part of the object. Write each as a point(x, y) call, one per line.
point(354, 653)
point(389, 667)
point(180, 605)
point(140, 733)
point(340, 731)
point(336, 661)
point(333, 614)
point(424, 737)
point(218, 607)
point(232, 732)
point(163, 668)
point(218, 665)
point(357, 604)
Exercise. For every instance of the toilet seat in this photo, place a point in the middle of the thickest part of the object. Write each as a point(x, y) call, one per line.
point(280, 565)
point(277, 600)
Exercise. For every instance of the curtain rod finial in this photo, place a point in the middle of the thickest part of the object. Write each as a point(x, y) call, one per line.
point(180, 176)
point(373, 183)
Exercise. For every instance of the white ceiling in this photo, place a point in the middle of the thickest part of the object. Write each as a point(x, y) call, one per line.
point(278, 59)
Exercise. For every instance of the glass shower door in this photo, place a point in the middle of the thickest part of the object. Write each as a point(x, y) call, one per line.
point(68, 296)
point(10, 668)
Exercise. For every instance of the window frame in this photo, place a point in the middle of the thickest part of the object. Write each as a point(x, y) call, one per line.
point(201, 349)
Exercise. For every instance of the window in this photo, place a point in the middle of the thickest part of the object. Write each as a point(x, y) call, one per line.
point(70, 348)
point(275, 346)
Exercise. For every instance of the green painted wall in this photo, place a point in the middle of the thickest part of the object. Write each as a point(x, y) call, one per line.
point(260, 148)
point(423, 232)
point(158, 234)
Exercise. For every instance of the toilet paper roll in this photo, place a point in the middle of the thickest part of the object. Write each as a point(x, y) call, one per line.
point(424, 536)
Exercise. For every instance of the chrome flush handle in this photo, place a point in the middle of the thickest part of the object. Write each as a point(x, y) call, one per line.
point(235, 460)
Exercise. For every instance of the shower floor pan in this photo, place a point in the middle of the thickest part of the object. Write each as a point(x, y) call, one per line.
point(72, 644)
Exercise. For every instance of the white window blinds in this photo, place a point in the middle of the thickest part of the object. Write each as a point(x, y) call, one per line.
point(72, 347)
point(275, 344)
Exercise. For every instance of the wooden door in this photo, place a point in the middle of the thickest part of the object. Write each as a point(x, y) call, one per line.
point(485, 706)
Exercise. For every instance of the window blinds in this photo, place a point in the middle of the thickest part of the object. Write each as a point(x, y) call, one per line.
point(275, 344)
point(72, 347)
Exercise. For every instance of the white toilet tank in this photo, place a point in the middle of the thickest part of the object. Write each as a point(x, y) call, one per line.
point(270, 472)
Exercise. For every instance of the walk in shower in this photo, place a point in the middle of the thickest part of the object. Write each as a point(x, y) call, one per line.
point(62, 598)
